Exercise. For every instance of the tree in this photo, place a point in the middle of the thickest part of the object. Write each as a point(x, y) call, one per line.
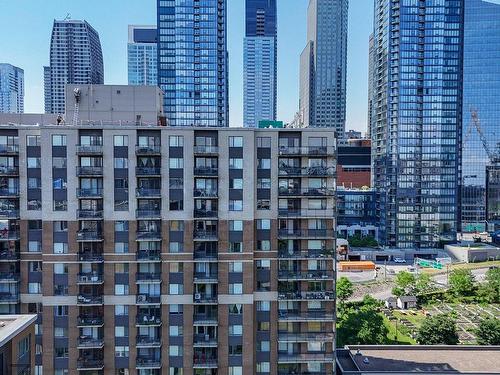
point(493, 285)
point(438, 330)
point(405, 282)
point(362, 326)
point(488, 332)
point(462, 282)
point(362, 241)
point(345, 290)
point(423, 283)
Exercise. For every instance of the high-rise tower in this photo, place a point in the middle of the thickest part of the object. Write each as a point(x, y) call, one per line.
point(260, 62)
point(323, 66)
point(142, 55)
point(193, 62)
point(75, 57)
point(11, 89)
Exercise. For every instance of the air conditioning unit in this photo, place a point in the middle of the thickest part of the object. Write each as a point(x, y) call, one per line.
point(197, 296)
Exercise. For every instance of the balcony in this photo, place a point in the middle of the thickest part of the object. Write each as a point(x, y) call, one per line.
point(147, 342)
point(89, 149)
point(205, 193)
point(9, 149)
point(205, 255)
point(310, 296)
point(148, 171)
point(148, 149)
point(205, 171)
point(301, 213)
point(149, 236)
point(10, 192)
point(206, 341)
point(205, 214)
point(307, 151)
point(306, 171)
point(9, 235)
point(205, 235)
point(205, 319)
point(204, 277)
point(87, 342)
point(148, 214)
point(9, 256)
point(307, 192)
point(89, 364)
point(89, 300)
point(9, 214)
point(306, 337)
point(89, 236)
point(306, 275)
point(144, 363)
point(306, 254)
point(146, 299)
point(9, 171)
point(89, 171)
point(205, 298)
point(90, 257)
point(90, 321)
point(147, 278)
point(9, 277)
point(148, 193)
point(305, 357)
point(200, 362)
point(147, 320)
point(89, 214)
point(306, 233)
point(89, 193)
point(91, 278)
point(205, 150)
point(148, 256)
point(8, 298)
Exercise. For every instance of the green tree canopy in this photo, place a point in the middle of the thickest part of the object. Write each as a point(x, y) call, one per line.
point(345, 289)
point(462, 282)
point(488, 332)
point(438, 330)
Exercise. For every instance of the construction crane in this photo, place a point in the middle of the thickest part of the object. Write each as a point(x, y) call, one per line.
point(494, 157)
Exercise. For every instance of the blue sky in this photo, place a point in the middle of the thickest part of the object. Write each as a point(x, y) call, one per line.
point(26, 27)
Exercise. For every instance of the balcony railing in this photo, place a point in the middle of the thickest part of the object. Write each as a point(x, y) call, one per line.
point(90, 343)
point(89, 149)
point(305, 337)
point(9, 235)
point(147, 341)
point(148, 149)
point(8, 256)
point(307, 151)
point(89, 171)
point(90, 257)
point(90, 214)
point(205, 277)
point(201, 362)
point(206, 171)
point(306, 192)
point(147, 193)
point(148, 171)
point(208, 319)
point(305, 357)
point(306, 233)
point(148, 214)
point(87, 235)
point(205, 193)
point(84, 299)
point(148, 320)
point(306, 171)
point(9, 149)
point(89, 193)
point(9, 192)
point(90, 364)
point(305, 213)
point(90, 278)
point(147, 277)
point(8, 277)
point(312, 253)
point(306, 275)
point(203, 213)
point(147, 363)
point(149, 235)
point(205, 298)
point(204, 340)
point(6, 297)
point(8, 170)
point(205, 150)
point(145, 299)
point(149, 255)
point(90, 321)
point(205, 255)
point(207, 235)
point(9, 213)
point(306, 295)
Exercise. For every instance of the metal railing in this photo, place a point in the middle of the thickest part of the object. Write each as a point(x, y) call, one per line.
point(84, 235)
point(206, 150)
point(9, 192)
point(206, 171)
point(147, 149)
point(9, 213)
point(308, 150)
point(306, 295)
point(147, 299)
point(205, 235)
point(146, 214)
point(147, 276)
point(89, 193)
point(205, 193)
point(89, 171)
point(84, 299)
point(90, 214)
point(306, 275)
point(148, 255)
point(89, 149)
point(90, 363)
point(147, 193)
point(90, 278)
point(307, 192)
point(147, 320)
point(9, 149)
point(10, 171)
point(84, 320)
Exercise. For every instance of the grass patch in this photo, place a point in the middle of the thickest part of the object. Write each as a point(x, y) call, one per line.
point(402, 334)
point(417, 318)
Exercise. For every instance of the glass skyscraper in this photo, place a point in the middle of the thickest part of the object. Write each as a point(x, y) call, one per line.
point(481, 94)
point(323, 66)
point(417, 109)
point(142, 55)
point(260, 62)
point(11, 89)
point(193, 62)
point(75, 57)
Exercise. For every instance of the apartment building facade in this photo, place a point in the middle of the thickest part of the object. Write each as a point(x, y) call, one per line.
point(160, 250)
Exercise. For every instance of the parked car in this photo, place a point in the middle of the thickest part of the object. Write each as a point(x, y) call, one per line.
point(399, 260)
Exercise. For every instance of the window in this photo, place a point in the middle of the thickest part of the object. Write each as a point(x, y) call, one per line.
point(61, 371)
point(175, 247)
point(33, 162)
point(121, 226)
point(236, 288)
point(263, 183)
point(32, 140)
point(236, 183)
point(176, 205)
point(262, 326)
point(236, 225)
point(60, 290)
point(120, 140)
point(23, 346)
point(235, 330)
point(121, 310)
point(60, 226)
point(121, 331)
point(59, 163)
point(175, 371)
point(235, 205)
point(176, 331)
point(122, 371)
point(236, 349)
point(264, 163)
point(34, 288)
point(34, 205)
point(175, 309)
point(317, 204)
point(264, 224)
point(264, 245)
point(176, 163)
point(121, 247)
point(60, 248)
point(58, 140)
point(263, 305)
point(176, 267)
point(176, 289)
point(60, 269)
point(34, 183)
point(121, 163)
point(35, 266)
point(121, 267)
point(235, 141)
point(121, 183)
point(235, 247)
point(61, 205)
point(175, 350)
point(263, 264)
point(236, 309)
point(121, 205)
point(60, 310)
point(263, 204)
point(176, 225)
point(236, 267)
point(264, 346)
point(176, 141)
point(121, 289)
point(235, 370)
point(61, 352)
point(176, 183)
point(121, 351)
point(34, 246)
point(235, 163)
point(263, 367)
point(263, 142)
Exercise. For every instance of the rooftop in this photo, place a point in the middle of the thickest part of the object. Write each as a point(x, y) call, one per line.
point(423, 359)
point(12, 325)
